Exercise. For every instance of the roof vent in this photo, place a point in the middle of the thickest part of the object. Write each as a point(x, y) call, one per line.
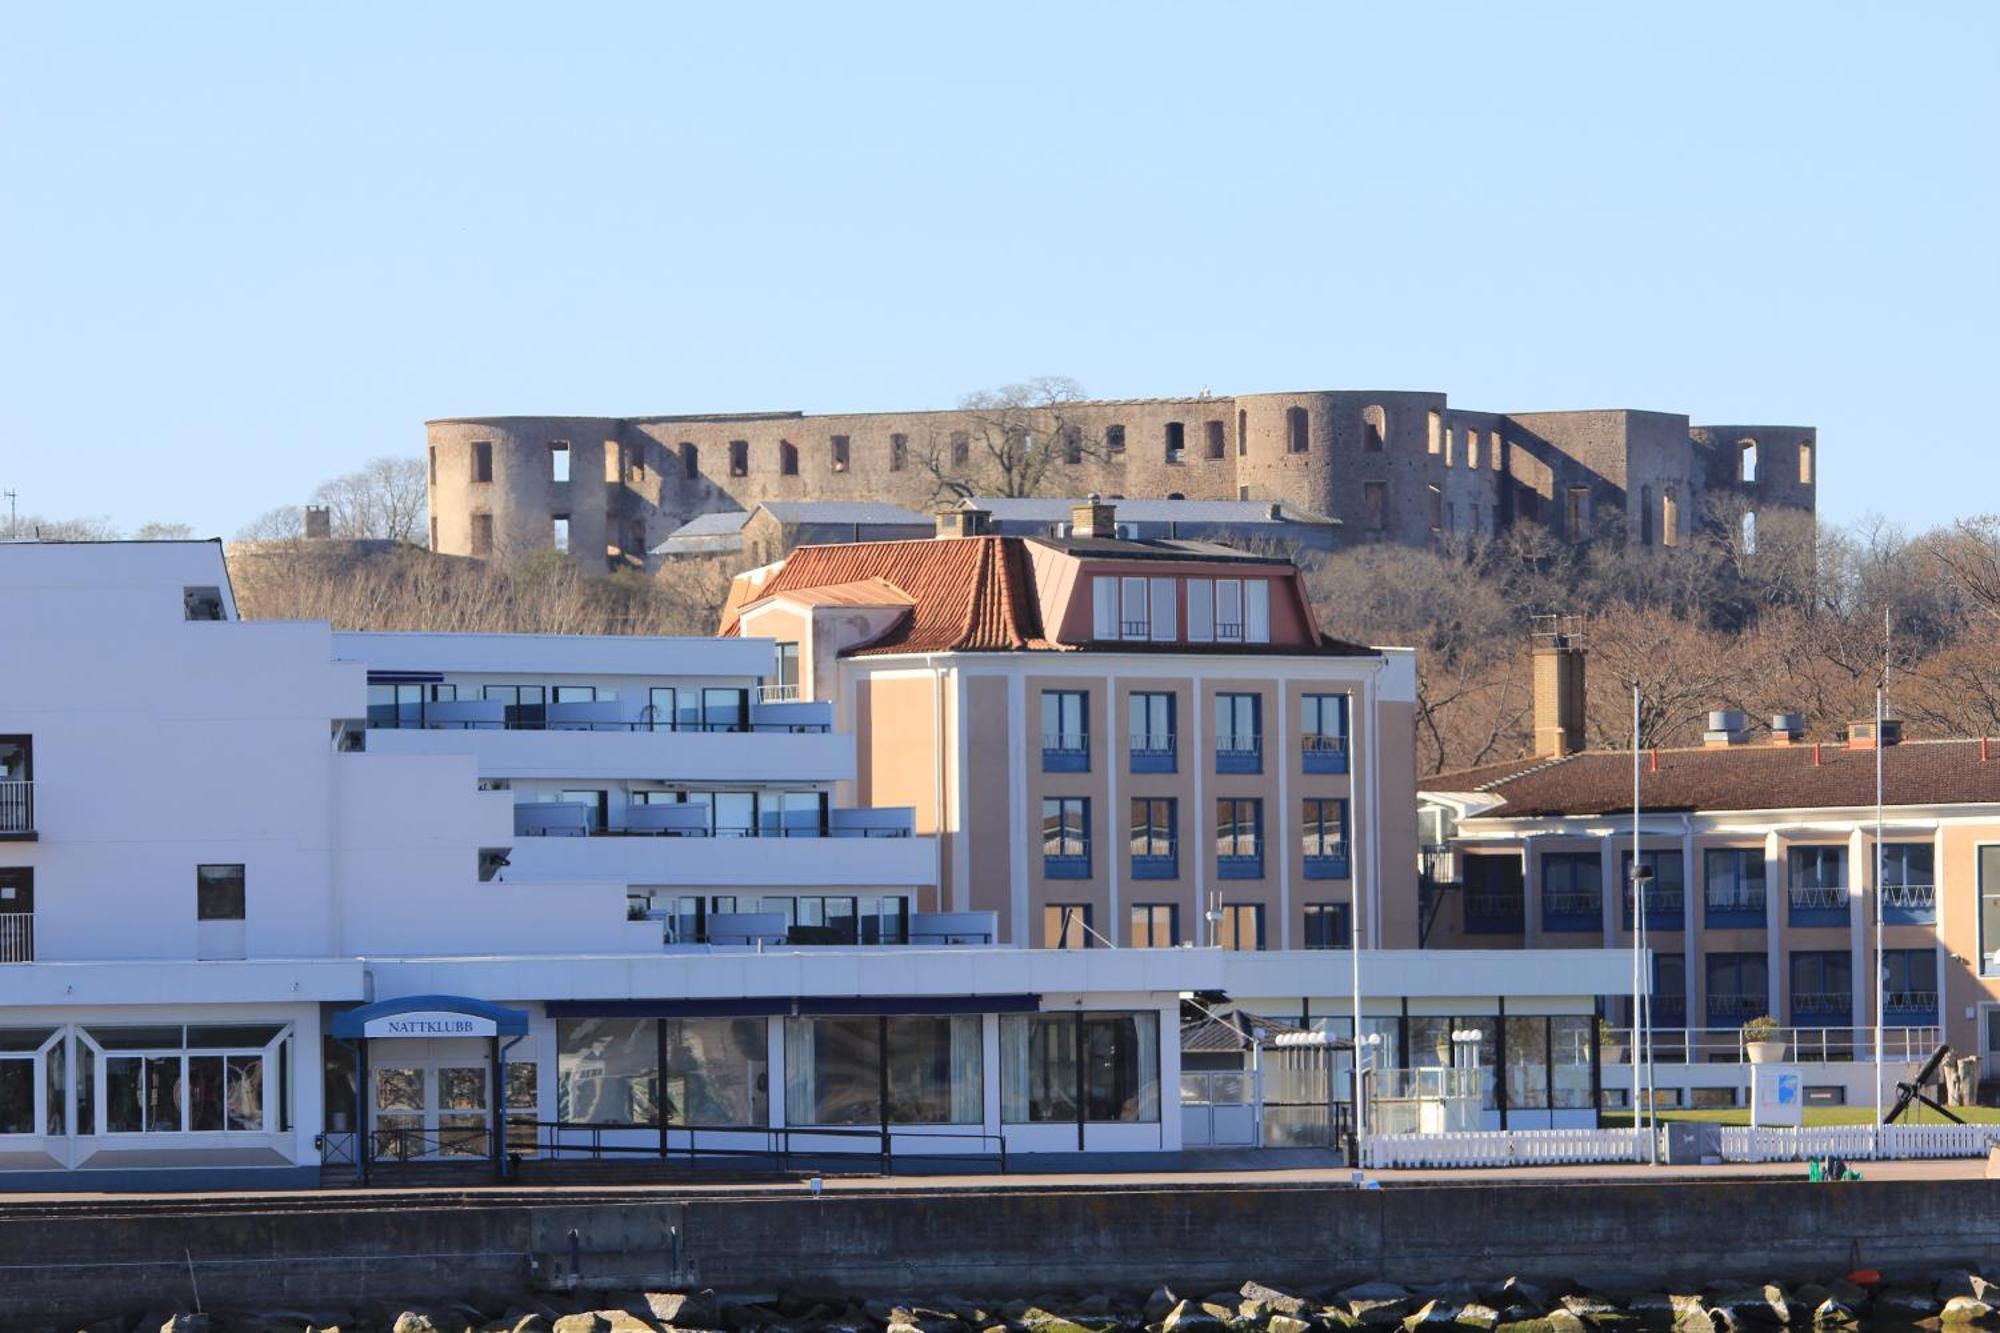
point(1787, 728)
point(1094, 518)
point(1726, 726)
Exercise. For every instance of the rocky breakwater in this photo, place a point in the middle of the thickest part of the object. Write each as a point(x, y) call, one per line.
point(1944, 1300)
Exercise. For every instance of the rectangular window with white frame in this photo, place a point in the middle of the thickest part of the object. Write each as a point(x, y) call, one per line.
point(1104, 607)
point(1201, 610)
point(1161, 596)
point(1133, 620)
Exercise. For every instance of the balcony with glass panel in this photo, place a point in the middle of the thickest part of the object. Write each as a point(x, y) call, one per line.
point(1156, 858)
point(1910, 1008)
point(1153, 752)
point(1239, 754)
point(1323, 754)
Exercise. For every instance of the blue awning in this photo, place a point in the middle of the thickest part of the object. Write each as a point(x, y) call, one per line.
point(431, 1016)
point(776, 1005)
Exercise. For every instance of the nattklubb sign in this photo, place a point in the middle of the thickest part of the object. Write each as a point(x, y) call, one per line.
point(430, 1023)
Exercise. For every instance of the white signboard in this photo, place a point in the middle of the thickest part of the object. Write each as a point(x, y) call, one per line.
point(430, 1023)
point(1777, 1096)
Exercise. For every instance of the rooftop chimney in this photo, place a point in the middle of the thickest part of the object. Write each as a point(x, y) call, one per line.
point(1726, 727)
point(955, 522)
point(1559, 711)
point(319, 523)
point(1787, 728)
point(1093, 518)
point(1861, 735)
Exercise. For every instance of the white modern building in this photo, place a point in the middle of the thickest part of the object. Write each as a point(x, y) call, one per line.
point(274, 898)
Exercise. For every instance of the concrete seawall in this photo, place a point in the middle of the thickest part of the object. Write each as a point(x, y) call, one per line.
point(74, 1257)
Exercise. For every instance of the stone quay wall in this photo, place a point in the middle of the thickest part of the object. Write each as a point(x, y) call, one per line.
point(306, 1251)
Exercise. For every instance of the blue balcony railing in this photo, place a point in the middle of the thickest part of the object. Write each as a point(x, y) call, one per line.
point(1240, 867)
point(1909, 904)
point(1333, 865)
point(1323, 754)
point(1572, 911)
point(1239, 754)
point(1067, 865)
point(1816, 905)
point(1153, 753)
point(1066, 752)
point(1156, 860)
point(1910, 1008)
point(1733, 907)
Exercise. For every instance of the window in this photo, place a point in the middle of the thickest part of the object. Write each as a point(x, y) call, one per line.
point(482, 460)
point(739, 458)
point(559, 531)
point(1080, 1068)
point(1323, 828)
point(401, 703)
point(1746, 461)
point(1436, 498)
point(218, 893)
point(1066, 926)
point(899, 452)
point(1493, 895)
point(1151, 718)
point(1666, 887)
point(1241, 927)
point(526, 706)
point(434, 532)
point(1669, 1001)
point(1201, 610)
point(17, 771)
point(1065, 731)
point(1435, 438)
point(961, 448)
point(1577, 513)
point(1176, 440)
point(482, 534)
point(635, 539)
point(1733, 886)
point(1323, 732)
point(690, 461)
point(1822, 988)
point(1066, 837)
point(1909, 886)
point(839, 451)
point(1375, 505)
point(788, 459)
point(1805, 463)
point(1645, 516)
point(433, 465)
point(1670, 517)
point(1239, 733)
point(1257, 610)
point(17, 914)
point(1153, 837)
point(1239, 837)
point(559, 461)
point(1327, 926)
point(1229, 610)
point(201, 603)
point(1104, 607)
point(708, 1072)
point(837, 1070)
point(1298, 428)
point(1909, 986)
point(1072, 441)
point(1572, 891)
point(1214, 445)
point(1156, 926)
point(1242, 434)
point(1471, 448)
point(1738, 988)
point(1133, 619)
point(1816, 893)
point(724, 708)
point(1160, 609)
point(1450, 447)
point(1374, 428)
point(175, 1080)
point(788, 670)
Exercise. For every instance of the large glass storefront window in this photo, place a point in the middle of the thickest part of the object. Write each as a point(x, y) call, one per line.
point(609, 1071)
point(931, 1067)
point(172, 1080)
point(1094, 1068)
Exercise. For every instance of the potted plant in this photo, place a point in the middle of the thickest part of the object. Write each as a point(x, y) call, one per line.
point(1761, 1040)
point(1610, 1042)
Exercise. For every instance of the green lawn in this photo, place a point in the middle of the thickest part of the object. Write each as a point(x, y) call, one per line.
point(1819, 1115)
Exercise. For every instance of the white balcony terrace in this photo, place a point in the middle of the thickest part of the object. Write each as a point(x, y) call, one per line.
point(793, 741)
point(839, 861)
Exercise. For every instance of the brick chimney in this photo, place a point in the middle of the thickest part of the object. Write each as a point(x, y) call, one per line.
point(1559, 710)
point(1093, 518)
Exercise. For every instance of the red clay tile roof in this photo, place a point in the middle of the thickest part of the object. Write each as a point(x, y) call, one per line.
point(970, 594)
point(1749, 777)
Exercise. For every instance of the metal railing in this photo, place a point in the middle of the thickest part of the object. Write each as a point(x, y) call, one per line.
point(1438, 863)
point(1317, 743)
point(1734, 900)
point(1066, 742)
point(556, 1139)
point(1572, 904)
point(1744, 1007)
point(17, 806)
point(1153, 743)
point(1817, 898)
point(1497, 906)
point(1659, 902)
point(416, 717)
point(778, 694)
point(17, 937)
point(1822, 1002)
point(1244, 745)
point(1910, 897)
point(741, 831)
point(416, 1144)
point(1805, 1045)
point(1910, 1002)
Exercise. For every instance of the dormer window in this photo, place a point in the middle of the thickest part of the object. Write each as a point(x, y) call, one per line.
point(202, 603)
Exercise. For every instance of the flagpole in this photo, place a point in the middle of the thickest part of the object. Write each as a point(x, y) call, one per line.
point(1878, 918)
point(1642, 1114)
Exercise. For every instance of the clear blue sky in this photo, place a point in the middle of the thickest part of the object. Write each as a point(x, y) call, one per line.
point(246, 247)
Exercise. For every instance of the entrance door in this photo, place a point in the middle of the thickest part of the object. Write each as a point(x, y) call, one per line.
point(430, 1111)
point(1218, 1109)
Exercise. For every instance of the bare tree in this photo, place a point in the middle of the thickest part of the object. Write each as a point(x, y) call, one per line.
point(163, 532)
point(94, 528)
point(1010, 439)
point(387, 498)
point(286, 523)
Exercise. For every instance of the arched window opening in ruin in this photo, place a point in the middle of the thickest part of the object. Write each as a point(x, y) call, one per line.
point(1747, 458)
point(1749, 532)
point(690, 461)
point(1670, 518)
point(1242, 432)
point(1374, 428)
point(1805, 463)
point(1436, 433)
point(788, 458)
point(1645, 516)
point(1297, 430)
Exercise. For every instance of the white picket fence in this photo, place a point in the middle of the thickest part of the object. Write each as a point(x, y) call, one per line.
point(1741, 1143)
point(1574, 1147)
point(1517, 1147)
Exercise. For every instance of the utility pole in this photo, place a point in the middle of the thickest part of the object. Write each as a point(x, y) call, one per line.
point(13, 514)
